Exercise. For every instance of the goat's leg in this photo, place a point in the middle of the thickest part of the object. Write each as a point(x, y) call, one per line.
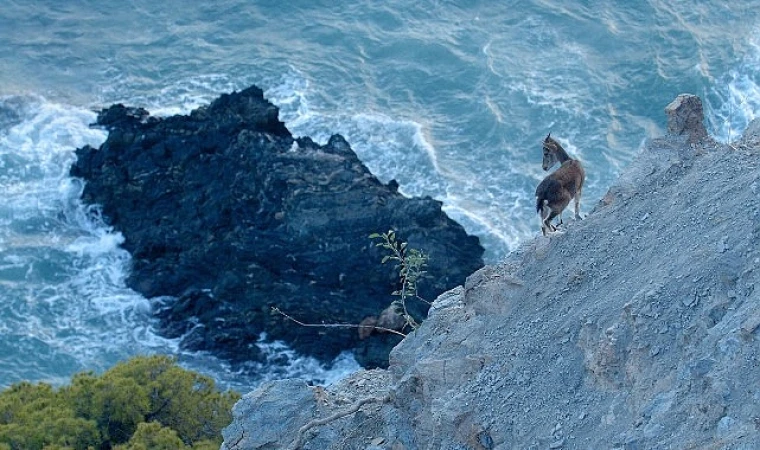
point(578, 206)
point(545, 215)
point(550, 217)
point(547, 226)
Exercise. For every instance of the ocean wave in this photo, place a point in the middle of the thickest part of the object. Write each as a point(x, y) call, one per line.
point(733, 100)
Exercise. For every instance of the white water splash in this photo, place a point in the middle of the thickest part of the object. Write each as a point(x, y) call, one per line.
point(734, 101)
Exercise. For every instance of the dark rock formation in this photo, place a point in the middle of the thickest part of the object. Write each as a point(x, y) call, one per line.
point(228, 215)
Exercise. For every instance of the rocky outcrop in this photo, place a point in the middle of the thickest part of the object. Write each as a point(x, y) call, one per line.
point(686, 118)
point(636, 328)
point(227, 215)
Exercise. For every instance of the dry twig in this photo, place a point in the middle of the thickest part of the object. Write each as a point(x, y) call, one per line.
point(336, 325)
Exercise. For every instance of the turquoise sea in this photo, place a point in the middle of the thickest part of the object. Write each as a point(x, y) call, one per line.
point(450, 98)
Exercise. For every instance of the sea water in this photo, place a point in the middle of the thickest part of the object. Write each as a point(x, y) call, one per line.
point(449, 98)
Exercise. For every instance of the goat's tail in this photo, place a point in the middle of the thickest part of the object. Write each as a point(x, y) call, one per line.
point(540, 203)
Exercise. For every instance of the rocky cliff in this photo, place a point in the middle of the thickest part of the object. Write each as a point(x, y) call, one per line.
point(227, 215)
point(636, 328)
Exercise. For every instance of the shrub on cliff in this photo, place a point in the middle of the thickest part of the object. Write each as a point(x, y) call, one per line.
point(410, 264)
point(147, 402)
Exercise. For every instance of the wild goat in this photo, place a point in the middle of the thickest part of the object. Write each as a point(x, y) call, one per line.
point(558, 188)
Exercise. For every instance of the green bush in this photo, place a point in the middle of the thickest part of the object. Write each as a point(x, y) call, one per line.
point(153, 436)
point(34, 415)
point(148, 402)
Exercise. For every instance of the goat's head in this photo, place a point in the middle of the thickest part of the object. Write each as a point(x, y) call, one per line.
point(550, 147)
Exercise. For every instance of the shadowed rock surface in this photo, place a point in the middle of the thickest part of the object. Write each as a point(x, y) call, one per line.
point(228, 214)
point(636, 328)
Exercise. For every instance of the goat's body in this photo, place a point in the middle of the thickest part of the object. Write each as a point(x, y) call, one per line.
point(554, 193)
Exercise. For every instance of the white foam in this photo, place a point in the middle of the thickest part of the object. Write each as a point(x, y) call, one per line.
point(68, 291)
point(98, 245)
point(37, 154)
point(734, 100)
point(290, 97)
point(180, 97)
point(284, 362)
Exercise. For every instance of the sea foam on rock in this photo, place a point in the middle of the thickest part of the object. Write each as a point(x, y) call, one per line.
point(227, 215)
point(637, 328)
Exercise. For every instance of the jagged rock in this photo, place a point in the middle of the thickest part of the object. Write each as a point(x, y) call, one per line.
point(685, 117)
point(636, 328)
point(229, 215)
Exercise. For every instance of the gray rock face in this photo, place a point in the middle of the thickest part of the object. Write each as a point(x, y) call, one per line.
point(636, 328)
point(295, 405)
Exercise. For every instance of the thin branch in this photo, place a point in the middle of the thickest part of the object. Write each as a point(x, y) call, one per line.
point(423, 300)
point(298, 442)
point(336, 325)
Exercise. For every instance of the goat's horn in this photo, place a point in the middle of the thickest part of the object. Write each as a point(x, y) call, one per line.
point(548, 136)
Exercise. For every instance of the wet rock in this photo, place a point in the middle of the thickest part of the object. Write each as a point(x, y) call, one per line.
point(228, 215)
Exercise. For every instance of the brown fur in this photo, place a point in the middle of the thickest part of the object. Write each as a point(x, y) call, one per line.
point(554, 193)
